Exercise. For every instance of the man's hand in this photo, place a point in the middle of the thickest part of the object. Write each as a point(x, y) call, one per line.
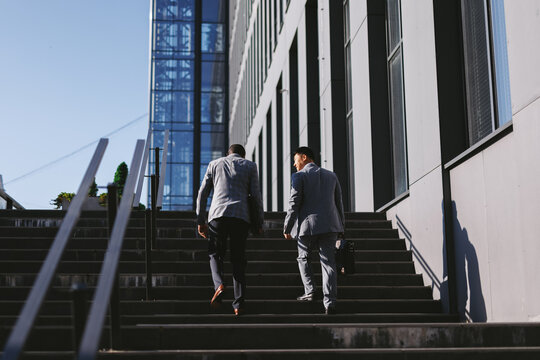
point(203, 230)
point(287, 236)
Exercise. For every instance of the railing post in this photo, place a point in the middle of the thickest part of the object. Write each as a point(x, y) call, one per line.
point(156, 164)
point(148, 230)
point(114, 309)
point(79, 311)
point(153, 187)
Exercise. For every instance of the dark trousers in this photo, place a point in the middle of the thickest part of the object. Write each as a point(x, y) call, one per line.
point(235, 230)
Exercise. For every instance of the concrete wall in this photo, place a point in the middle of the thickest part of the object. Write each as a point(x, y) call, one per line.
point(496, 197)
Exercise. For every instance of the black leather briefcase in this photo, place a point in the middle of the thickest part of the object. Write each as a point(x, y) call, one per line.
point(345, 257)
point(255, 222)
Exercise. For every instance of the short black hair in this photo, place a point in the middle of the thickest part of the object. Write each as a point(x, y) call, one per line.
point(237, 149)
point(304, 150)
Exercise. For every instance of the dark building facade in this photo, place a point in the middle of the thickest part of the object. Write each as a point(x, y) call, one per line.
point(188, 83)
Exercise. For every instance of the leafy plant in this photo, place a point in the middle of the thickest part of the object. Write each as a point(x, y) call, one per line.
point(103, 199)
point(93, 189)
point(58, 200)
point(120, 177)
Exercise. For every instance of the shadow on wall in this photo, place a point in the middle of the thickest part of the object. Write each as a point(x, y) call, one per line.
point(469, 285)
point(435, 281)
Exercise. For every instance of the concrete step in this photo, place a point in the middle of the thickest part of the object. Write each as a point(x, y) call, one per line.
point(126, 320)
point(256, 267)
point(60, 307)
point(194, 255)
point(309, 336)
point(472, 353)
point(255, 292)
point(189, 244)
point(177, 215)
point(175, 279)
point(165, 233)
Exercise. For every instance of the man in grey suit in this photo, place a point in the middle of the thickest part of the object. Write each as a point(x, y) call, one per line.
point(232, 178)
point(315, 218)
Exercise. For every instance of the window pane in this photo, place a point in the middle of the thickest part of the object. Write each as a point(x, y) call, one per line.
point(214, 10)
point(212, 146)
point(174, 9)
point(212, 107)
point(182, 146)
point(161, 106)
point(393, 25)
point(183, 107)
point(500, 53)
point(212, 38)
point(477, 70)
point(173, 37)
point(173, 74)
point(182, 179)
point(213, 76)
point(399, 150)
point(348, 89)
point(346, 29)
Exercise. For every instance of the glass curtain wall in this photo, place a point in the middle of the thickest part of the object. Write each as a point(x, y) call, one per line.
point(176, 87)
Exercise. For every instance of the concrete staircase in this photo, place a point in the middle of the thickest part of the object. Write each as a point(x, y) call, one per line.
point(384, 310)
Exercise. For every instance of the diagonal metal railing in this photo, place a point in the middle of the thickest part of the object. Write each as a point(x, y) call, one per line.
point(140, 182)
point(109, 270)
point(25, 322)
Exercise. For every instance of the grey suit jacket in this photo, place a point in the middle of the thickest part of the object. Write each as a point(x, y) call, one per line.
point(315, 204)
point(232, 178)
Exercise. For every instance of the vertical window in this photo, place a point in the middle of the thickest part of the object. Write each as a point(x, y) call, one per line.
point(396, 96)
point(486, 67)
point(269, 153)
point(279, 145)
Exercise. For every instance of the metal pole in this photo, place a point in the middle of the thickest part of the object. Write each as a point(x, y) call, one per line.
point(153, 186)
point(79, 311)
point(156, 163)
point(148, 229)
point(114, 306)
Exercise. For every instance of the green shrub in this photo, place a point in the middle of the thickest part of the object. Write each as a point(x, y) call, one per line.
point(58, 200)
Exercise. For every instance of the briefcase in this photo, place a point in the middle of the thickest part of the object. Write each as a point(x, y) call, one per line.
point(255, 222)
point(345, 257)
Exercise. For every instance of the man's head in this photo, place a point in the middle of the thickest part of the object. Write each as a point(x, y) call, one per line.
point(302, 156)
point(237, 149)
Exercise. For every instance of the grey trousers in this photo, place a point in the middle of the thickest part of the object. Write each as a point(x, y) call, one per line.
point(327, 251)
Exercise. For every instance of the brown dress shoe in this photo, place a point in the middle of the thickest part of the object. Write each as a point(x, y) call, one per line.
point(216, 300)
point(238, 312)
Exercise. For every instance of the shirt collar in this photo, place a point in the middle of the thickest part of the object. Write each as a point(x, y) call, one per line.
point(311, 164)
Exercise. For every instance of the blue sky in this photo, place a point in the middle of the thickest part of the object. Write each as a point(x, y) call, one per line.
point(71, 71)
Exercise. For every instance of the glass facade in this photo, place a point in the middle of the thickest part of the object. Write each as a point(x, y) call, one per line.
point(188, 92)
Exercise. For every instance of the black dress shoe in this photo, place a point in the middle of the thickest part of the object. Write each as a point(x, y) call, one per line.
point(238, 312)
point(305, 297)
point(331, 310)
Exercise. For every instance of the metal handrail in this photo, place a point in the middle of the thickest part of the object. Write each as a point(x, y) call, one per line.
point(162, 170)
point(109, 269)
point(137, 198)
point(19, 335)
point(11, 201)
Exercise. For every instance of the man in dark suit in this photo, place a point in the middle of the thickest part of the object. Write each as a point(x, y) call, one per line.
point(315, 218)
point(232, 178)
